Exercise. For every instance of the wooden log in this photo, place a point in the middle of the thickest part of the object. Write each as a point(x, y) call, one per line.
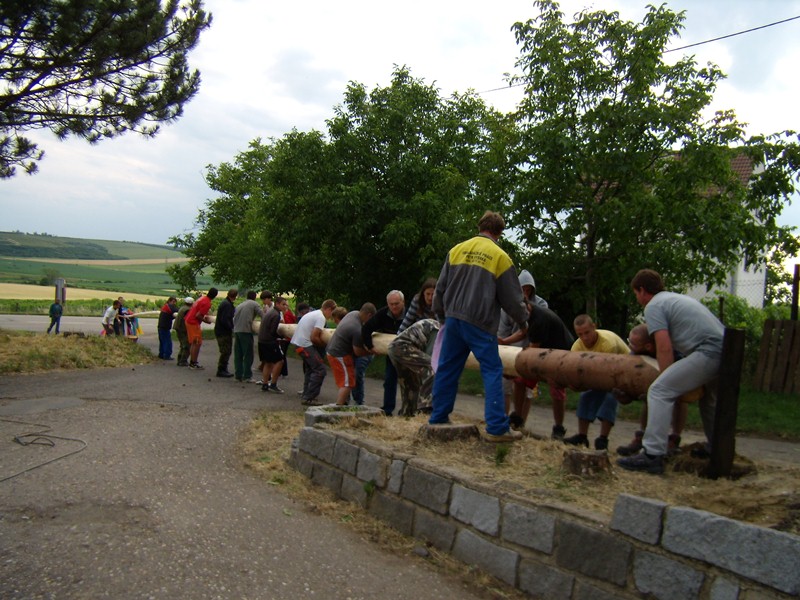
point(381, 341)
point(577, 370)
point(630, 373)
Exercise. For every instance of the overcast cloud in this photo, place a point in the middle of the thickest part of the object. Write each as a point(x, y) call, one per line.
point(268, 67)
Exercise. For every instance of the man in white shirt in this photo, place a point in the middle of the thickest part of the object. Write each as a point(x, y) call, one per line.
point(308, 341)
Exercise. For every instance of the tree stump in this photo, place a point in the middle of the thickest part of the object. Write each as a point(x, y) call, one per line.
point(586, 463)
point(448, 432)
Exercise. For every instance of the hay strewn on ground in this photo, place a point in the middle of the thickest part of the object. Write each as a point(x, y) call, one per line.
point(532, 468)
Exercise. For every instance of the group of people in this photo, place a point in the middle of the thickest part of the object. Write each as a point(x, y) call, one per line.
point(477, 303)
point(478, 284)
point(234, 332)
point(118, 320)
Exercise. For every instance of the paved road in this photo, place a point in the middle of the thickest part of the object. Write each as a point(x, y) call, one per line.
point(154, 503)
point(150, 500)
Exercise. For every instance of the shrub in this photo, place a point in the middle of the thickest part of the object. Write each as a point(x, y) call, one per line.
point(736, 313)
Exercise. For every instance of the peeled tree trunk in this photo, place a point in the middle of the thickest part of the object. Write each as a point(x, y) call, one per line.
point(576, 370)
point(381, 341)
point(630, 373)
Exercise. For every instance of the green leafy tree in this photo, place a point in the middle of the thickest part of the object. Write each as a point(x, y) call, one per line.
point(616, 168)
point(93, 69)
point(779, 280)
point(374, 205)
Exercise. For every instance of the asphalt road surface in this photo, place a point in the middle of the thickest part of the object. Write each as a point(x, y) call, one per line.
point(142, 493)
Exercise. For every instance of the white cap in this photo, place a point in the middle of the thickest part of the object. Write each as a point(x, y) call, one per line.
point(188, 300)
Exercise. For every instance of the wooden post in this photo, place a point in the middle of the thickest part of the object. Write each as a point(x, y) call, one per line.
point(723, 442)
point(795, 288)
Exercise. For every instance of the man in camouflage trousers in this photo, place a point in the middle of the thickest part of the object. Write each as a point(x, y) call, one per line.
point(410, 352)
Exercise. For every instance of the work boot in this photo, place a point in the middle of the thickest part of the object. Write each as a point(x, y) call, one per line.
point(508, 436)
point(601, 443)
point(578, 439)
point(643, 462)
point(634, 447)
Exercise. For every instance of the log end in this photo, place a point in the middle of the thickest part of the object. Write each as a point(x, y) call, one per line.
point(448, 432)
point(586, 463)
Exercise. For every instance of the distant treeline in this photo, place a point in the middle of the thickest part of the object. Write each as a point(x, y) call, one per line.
point(63, 249)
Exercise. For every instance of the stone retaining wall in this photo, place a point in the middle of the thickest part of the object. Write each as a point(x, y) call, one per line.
point(649, 549)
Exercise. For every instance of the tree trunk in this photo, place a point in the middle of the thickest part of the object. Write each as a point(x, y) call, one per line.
point(588, 370)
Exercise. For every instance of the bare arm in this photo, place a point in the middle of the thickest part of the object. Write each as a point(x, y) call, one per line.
point(518, 335)
point(316, 337)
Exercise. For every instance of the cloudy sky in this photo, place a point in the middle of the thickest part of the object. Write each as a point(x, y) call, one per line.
point(268, 67)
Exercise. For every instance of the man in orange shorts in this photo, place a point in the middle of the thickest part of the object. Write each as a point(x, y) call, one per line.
point(196, 315)
point(345, 344)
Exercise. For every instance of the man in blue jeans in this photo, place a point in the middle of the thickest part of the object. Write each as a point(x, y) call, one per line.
point(477, 280)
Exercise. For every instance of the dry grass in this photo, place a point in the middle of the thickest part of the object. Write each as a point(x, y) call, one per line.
point(26, 352)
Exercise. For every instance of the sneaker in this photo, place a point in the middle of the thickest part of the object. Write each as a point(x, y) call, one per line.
point(182, 363)
point(577, 440)
point(224, 374)
point(514, 421)
point(274, 389)
point(634, 447)
point(508, 436)
point(601, 443)
point(642, 462)
point(195, 365)
point(558, 432)
point(311, 402)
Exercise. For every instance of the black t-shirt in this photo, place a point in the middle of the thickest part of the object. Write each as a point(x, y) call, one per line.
point(546, 329)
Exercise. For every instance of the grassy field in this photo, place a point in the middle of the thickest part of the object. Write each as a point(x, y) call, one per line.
point(110, 268)
point(28, 245)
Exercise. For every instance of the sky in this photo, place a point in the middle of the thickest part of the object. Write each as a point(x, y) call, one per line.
point(268, 67)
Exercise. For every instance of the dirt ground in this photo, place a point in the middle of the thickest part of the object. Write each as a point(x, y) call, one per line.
point(768, 496)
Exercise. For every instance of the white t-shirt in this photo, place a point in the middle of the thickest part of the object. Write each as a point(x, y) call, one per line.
point(111, 314)
point(310, 321)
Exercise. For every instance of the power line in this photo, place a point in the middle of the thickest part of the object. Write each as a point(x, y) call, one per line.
point(730, 35)
point(716, 39)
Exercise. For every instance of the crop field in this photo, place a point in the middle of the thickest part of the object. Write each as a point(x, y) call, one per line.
point(20, 291)
point(102, 268)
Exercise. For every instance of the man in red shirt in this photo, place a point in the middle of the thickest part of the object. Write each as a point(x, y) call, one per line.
point(196, 315)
